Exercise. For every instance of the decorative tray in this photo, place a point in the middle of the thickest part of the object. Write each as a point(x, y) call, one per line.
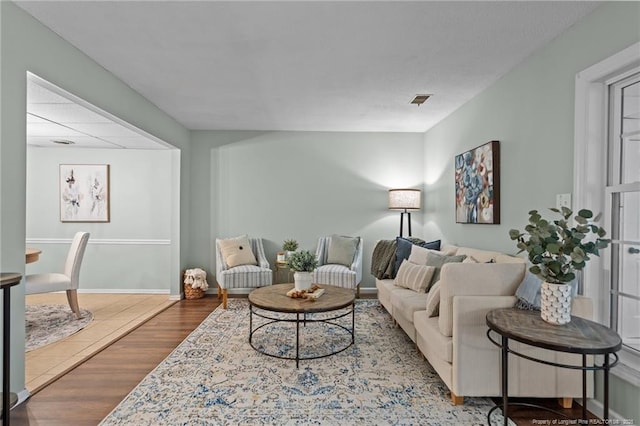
point(311, 294)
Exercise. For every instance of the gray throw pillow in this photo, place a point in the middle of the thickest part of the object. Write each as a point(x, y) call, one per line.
point(437, 260)
point(342, 250)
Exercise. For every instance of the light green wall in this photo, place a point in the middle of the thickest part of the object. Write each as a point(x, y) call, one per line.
point(531, 112)
point(137, 238)
point(26, 45)
point(300, 185)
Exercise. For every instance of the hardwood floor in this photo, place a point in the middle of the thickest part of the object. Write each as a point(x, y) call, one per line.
point(86, 394)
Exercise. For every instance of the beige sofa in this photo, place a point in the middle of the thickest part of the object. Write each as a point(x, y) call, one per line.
point(455, 342)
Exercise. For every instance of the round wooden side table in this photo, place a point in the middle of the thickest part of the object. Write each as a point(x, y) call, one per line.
point(580, 336)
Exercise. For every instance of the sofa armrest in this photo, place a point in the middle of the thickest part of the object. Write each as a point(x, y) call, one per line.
point(476, 362)
point(475, 279)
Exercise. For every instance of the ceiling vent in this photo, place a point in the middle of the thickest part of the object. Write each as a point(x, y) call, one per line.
point(62, 141)
point(420, 99)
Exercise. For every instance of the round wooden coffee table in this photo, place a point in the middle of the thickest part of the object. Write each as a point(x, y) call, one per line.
point(264, 301)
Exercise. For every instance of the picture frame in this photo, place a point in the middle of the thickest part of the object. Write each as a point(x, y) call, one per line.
point(84, 192)
point(477, 185)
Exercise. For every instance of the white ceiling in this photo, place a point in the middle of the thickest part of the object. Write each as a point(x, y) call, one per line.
point(54, 115)
point(302, 65)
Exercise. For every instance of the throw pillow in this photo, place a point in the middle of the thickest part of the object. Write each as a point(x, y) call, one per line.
point(414, 277)
point(404, 245)
point(433, 301)
point(419, 254)
point(237, 251)
point(437, 260)
point(342, 249)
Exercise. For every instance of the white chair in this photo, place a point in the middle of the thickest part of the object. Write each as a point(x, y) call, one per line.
point(336, 274)
point(67, 281)
point(243, 276)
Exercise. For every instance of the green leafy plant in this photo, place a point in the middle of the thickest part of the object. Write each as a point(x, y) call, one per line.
point(290, 245)
point(557, 250)
point(302, 261)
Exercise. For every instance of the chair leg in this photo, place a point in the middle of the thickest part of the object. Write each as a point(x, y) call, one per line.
point(219, 292)
point(224, 298)
point(457, 400)
point(72, 298)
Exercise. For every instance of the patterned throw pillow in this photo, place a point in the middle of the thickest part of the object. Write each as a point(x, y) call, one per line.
point(433, 301)
point(414, 277)
point(237, 251)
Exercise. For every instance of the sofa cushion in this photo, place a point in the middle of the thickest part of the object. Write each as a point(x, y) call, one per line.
point(433, 301)
point(482, 256)
point(475, 279)
point(237, 251)
point(405, 302)
point(449, 249)
point(438, 260)
point(505, 258)
point(385, 288)
point(342, 250)
point(439, 344)
point(414, 277)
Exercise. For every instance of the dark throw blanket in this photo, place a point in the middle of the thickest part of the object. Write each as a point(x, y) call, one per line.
point(383, 259)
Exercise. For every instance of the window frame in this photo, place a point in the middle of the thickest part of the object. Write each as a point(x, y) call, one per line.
point(590, 176)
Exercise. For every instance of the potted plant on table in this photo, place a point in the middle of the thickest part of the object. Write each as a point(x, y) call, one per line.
point(303, 263)
point(289, 246)
point(556, 251)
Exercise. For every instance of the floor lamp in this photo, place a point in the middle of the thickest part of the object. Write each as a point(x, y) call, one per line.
point(405, 200)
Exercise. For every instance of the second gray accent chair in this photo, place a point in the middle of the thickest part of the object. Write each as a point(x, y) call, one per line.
point(336, 266)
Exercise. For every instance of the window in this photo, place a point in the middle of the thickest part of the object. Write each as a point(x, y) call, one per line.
point(607, 180)
point(623, 208)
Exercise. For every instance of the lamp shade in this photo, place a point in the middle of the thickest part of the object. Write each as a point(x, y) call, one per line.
point(400, 199)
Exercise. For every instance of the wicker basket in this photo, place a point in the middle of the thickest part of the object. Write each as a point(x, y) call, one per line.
point(192, 293)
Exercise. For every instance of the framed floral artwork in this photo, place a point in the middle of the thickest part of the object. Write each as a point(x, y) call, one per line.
point(84, 192)
point(477, 184)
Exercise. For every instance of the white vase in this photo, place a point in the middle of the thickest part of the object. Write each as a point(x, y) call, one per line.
point(302, 280)
point(555, 303)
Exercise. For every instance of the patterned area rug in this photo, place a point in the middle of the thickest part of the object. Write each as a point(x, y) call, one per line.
point(46, 324)
point(215, 377)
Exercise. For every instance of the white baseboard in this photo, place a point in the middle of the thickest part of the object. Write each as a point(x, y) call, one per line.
point(597, 408)
point(23, 395)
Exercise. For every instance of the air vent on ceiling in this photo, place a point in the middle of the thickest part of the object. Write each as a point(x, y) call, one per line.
point(62, 141)
point(420, 99)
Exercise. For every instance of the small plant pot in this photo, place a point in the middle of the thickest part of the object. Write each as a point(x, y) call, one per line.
point(302, 280)
point(555, 303)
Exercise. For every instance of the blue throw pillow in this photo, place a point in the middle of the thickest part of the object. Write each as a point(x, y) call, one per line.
point(403, 249)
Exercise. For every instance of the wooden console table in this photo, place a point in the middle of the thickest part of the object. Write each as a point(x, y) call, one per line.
point(580, 336)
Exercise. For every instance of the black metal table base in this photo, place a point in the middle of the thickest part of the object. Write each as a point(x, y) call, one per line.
point(286, 317)
point(505, 351)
